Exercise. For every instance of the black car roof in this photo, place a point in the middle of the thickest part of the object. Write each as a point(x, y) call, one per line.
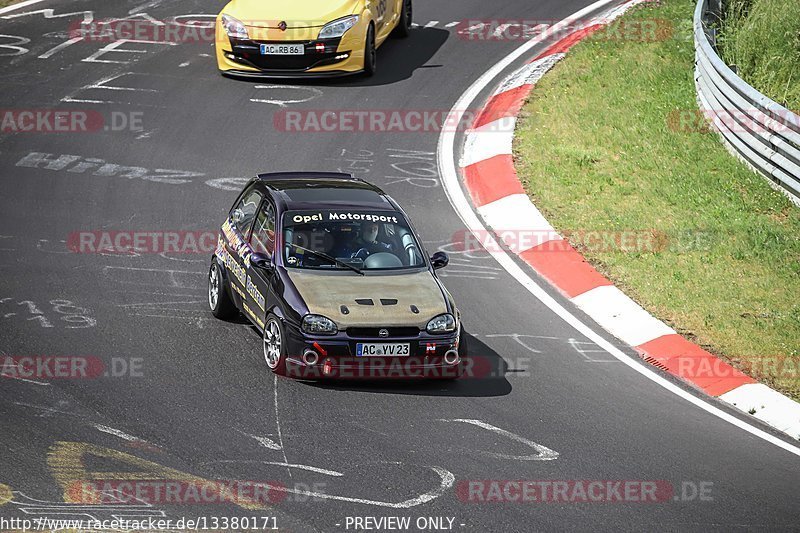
point(318, 190)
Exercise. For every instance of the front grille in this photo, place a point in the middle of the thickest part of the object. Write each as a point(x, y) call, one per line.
point(249, 53)
point(372, 333)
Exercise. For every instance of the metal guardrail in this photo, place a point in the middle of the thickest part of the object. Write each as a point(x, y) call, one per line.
point(762, 132)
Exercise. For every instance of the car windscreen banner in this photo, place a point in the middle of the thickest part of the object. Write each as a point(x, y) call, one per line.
point(343, 217)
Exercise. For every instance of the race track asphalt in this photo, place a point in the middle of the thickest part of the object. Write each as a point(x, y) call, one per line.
point(200, 393)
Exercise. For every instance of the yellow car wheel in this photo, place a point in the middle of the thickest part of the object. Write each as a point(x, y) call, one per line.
point(403, 28)
point(370, 53)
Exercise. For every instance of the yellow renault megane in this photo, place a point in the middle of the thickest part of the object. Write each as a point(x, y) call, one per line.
point(317, 38)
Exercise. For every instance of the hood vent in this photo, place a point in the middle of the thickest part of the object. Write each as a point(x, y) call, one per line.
point(364, 301)
point(388, 301)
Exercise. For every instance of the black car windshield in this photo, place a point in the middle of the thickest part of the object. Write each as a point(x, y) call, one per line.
point(349, 240)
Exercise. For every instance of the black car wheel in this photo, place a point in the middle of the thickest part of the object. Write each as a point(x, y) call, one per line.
point(218, 299)
point(274, 346)
point(403, 28)
point(370, 53)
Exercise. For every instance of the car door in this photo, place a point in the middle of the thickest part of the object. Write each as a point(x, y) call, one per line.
point(236, 250)
point(259, 289)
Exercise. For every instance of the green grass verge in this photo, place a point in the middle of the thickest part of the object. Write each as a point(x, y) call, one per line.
point(596, 150)
point(762, 39)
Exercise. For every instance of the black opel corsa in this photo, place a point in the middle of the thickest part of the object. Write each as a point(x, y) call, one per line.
point(329, 269)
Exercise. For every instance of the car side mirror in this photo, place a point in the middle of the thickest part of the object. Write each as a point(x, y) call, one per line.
point(440, 260)
point(262, 261)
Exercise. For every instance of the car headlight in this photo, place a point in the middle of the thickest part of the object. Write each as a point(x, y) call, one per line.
point(234, 28)
point(442, 324)
point(319, 325)
point(337, 28)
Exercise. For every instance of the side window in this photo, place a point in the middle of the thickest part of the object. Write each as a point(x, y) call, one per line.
point(244, 213)
point(263, 238)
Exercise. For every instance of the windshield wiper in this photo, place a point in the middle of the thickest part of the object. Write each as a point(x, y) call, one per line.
point(328, 258)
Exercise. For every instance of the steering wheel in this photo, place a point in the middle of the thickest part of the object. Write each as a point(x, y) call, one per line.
point(362, 254)
point(383, 260)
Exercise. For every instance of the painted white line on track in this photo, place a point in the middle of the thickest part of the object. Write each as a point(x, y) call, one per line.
point(32, 382)
point(57, 49)
point(316, 469)
point(447, 480)
point(313, 94)
point(67, 99)
point(114, 48)
point(452, 187)
point(9, 9)
point(145, 6)
point(49, 410)
point(116, 433)
point(278, 422)
point(518, 339)
point(16, 46)
point(266, 442)
point(543, 453)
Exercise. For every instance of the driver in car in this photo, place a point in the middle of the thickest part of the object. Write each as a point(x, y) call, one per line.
point(366, 243)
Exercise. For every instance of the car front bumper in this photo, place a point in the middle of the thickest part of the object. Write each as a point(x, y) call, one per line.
point(336, 356)
point(340, 57)
point(273, 74)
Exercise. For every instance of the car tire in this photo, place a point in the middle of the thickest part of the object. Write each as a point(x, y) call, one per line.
point(274, 345)
point(370, 53)
point(219, 300)
point(403, 28)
